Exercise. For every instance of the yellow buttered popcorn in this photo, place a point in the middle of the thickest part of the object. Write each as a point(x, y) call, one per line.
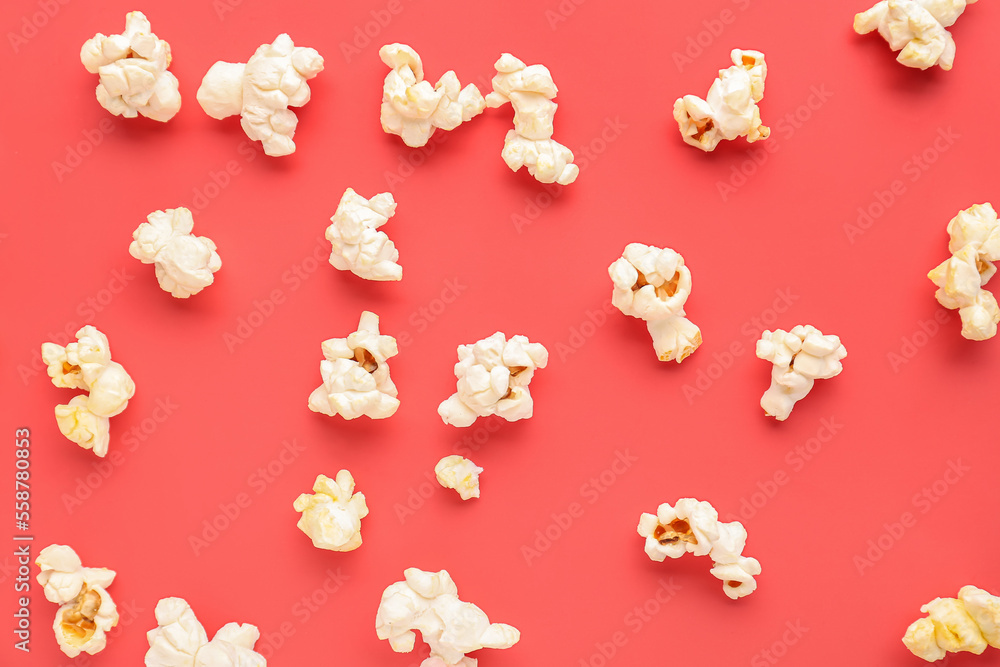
point(331, 516)
point(459, 473)
point(969, 623)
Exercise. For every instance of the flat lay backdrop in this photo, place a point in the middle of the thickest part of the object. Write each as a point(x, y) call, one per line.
point(877, 495)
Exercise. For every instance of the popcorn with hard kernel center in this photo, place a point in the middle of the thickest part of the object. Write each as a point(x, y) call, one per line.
point(969, 623)
point(180, 640)
point(800, 357)
point(185, 263)
point(331, 515)
point(915, 28)
point(357, 245)
point(459, 473)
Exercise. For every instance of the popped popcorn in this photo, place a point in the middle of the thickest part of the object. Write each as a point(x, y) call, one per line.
point(459, 473)
point(356, 245)
point(693, 526)
point(915, 28)
point(493, 376)
point(355, 374)
point(800, 357)
point(262, 90)
point(86, 611)
point(653, 284)
point(413, 109)
point(185, 263)
point(86, 364)
point(530, 90)
point(331, 516)
point(133, 71)
point(428, 602)
point(180, 640)
point(969, 623)
point(730, 108)
point(975, 245)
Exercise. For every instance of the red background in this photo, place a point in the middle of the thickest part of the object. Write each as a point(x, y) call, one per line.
point(786, 229)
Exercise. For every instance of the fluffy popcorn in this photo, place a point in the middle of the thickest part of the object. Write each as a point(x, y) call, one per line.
point(412, 109)
point(428, 602)
point(262, 90)
point(975, 245)
point(730, 109)
point(915, 28)
point(180, 640)
point(653, 284)
point(530, 90)
point(800, 357)
point(459, 473)
point(133, 71)
point(493, 376)
point(331, 516)
point(693, 526)
point(969, 623)
point(185, 263)
point(357, 245)
point(86, 611)
point(356, 374)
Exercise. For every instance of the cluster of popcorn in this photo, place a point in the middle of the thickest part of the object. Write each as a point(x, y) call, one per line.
point(428, 602)
point(180, 640)
point(86, 613)
point(331, 515)
point(915, 28)
point(459, 473)
point(493, 376)
point(86, 364)
point(800, 357)
point(357, 244)
point(730, 109)
point(969, 623)
point(693, 526)
point(133, 70)
point(974, 244)
point(185, 263)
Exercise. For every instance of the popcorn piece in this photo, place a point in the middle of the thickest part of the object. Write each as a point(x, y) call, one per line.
point(262, 90)
point(653, 285)
point(461, 474)
point(357, 246)
point(493, 376)
point(355, 374)
point(428, 602)
point(918, 27)
point(530, 90)
point(693, 526)
point(969, 623)
point(180, 640)
point(87, 612)
point(185, 263)
point(730, 110)
point(413, 109)
point(332, 517)
point(975, 245)
point(133, 71)
point(800, 357)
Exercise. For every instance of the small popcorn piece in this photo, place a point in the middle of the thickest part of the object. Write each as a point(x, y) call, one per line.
point(493, 376)
point(693, 526)
point(331, 517)
point(180, 640)
point(428, 602)
point(915, 28)
point(800, 357)
point(730, 110)
point(969, 623)
point(185, 263)
point(262, 92)
point(459, 473)
point(357, 246)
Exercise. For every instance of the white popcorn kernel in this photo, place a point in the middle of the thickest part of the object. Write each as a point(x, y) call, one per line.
point(653, 284)
point(530, 90)
point(331, 517)
point(133, 71)
point(357, 246)
point(969, 623)
point(414, 110)
point(428, 602)
point(459, 473)
point(800, 357)
point(730, 109)
point(915, 28)
point(185, 263)
point(180, 640)
point(693, 526)
point(493, 376)
point(355, 373)
point(262, 90)
point(87, 612)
